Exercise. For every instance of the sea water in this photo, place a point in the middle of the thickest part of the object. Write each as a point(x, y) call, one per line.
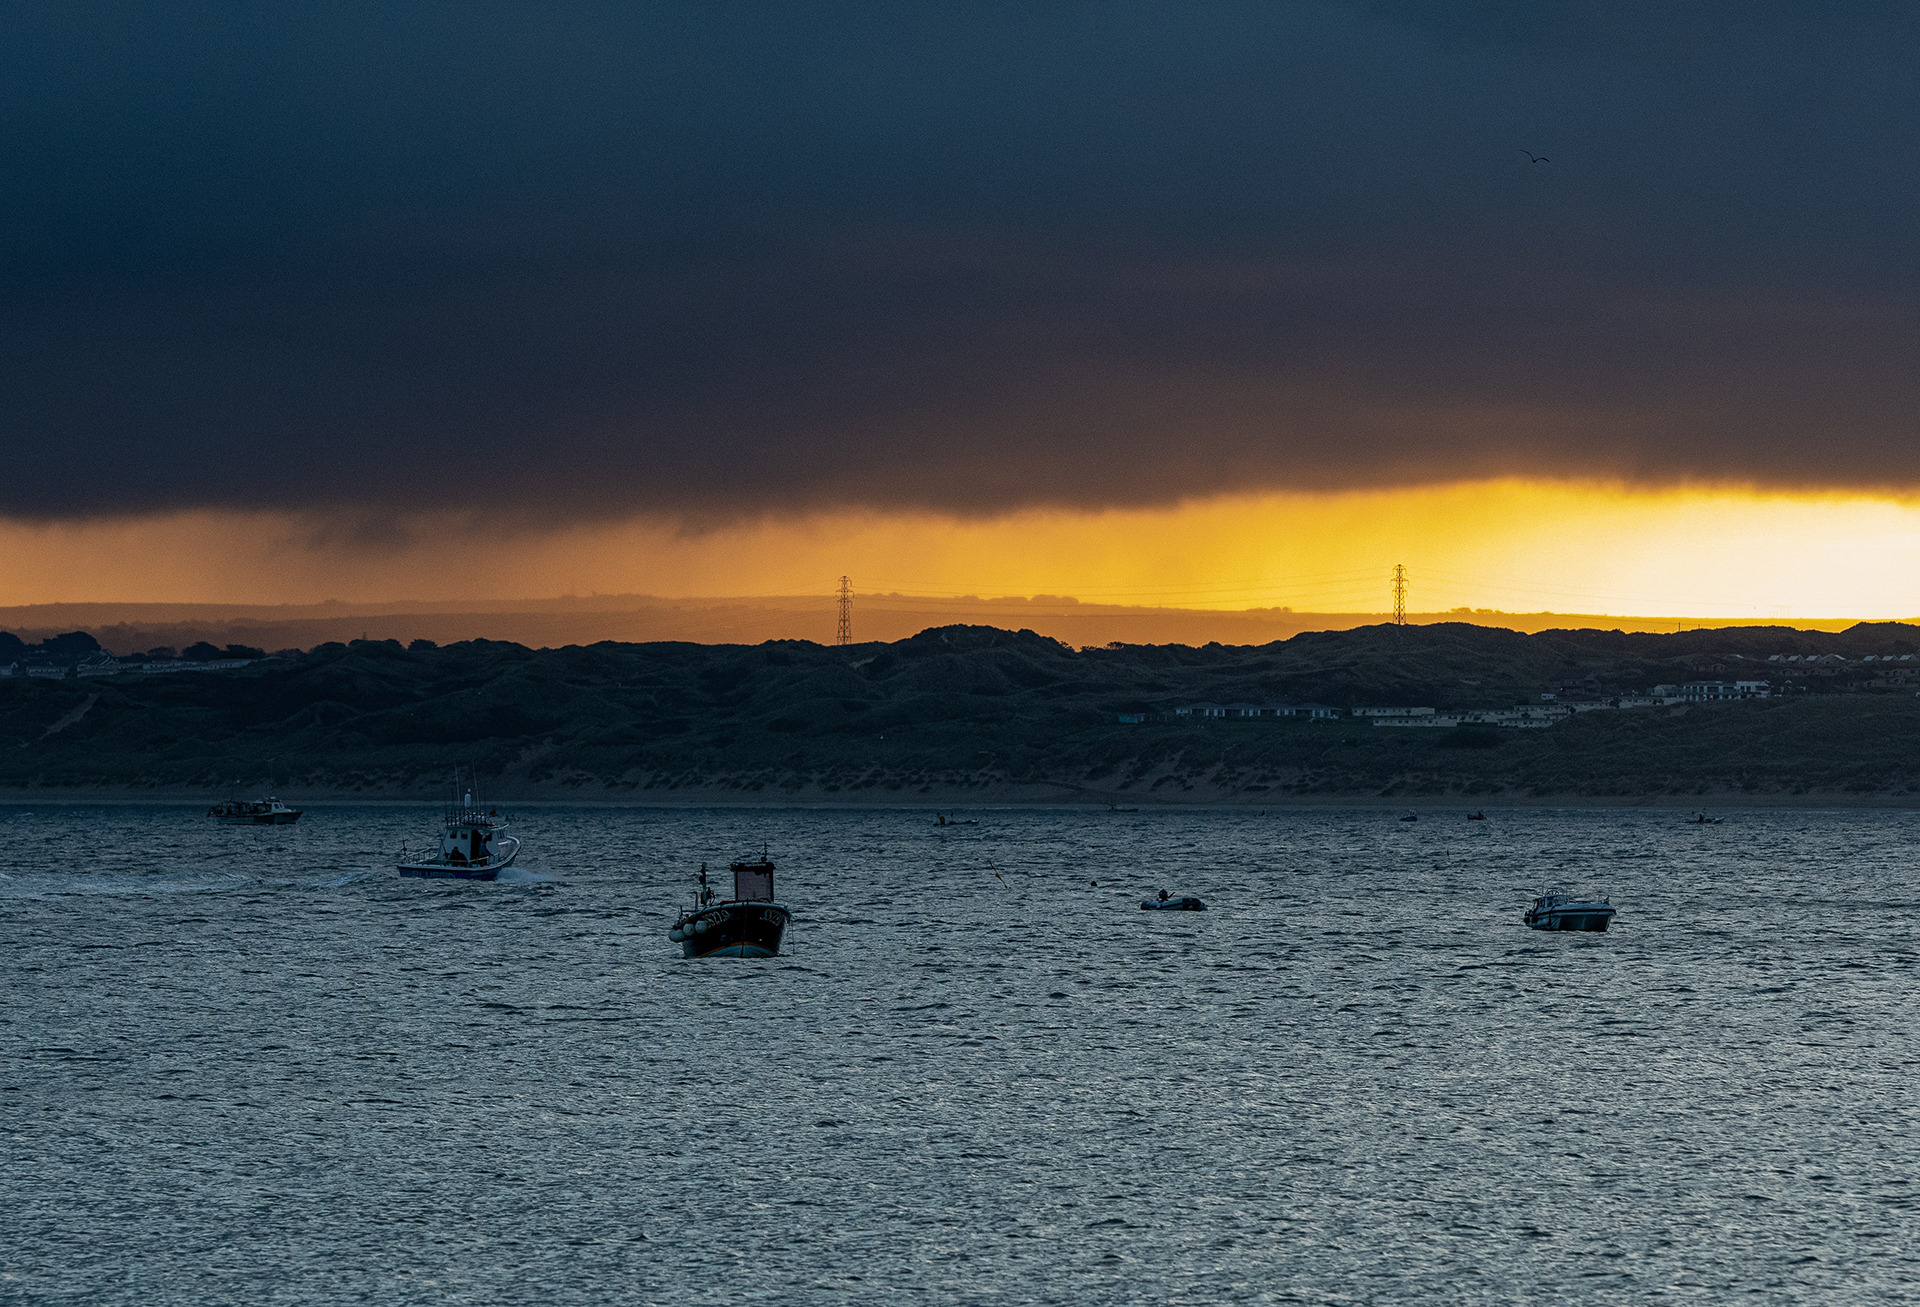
point(253, 1065)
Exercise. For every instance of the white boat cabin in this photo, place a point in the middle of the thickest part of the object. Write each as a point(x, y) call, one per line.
point(470, 840)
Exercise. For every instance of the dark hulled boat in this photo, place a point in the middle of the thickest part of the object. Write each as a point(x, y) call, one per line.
point(748, 925)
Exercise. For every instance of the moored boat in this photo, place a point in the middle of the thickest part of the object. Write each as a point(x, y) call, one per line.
point(253, 812)
point(748, 925)
point(1166, 902)
point(473, 845)
point(1560, 911)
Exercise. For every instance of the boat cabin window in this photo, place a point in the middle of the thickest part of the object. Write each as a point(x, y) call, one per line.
point(752, 883)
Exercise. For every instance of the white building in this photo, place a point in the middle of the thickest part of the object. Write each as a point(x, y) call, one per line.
point(98, 663)
point(1713, 691)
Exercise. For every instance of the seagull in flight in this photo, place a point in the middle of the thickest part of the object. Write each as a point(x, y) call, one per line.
point(1536, 158)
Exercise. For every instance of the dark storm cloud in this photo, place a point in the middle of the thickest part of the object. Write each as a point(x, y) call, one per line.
point(577, 260)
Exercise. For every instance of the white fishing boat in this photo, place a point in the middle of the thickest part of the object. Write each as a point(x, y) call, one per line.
point(253, 812)
point(1563, 911)
point(473, 845)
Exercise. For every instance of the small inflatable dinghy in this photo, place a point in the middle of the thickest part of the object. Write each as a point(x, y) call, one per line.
point(1167, 903)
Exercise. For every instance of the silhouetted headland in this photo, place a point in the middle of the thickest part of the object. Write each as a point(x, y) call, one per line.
point(974, 714)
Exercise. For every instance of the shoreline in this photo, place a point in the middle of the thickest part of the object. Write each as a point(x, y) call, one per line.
point(1003, 797)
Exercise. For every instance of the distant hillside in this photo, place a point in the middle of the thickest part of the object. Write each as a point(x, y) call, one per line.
point(971, 711)
point(554, 623)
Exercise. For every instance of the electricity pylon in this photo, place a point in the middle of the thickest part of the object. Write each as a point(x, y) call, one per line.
point(846, 613)
point(1399, 594)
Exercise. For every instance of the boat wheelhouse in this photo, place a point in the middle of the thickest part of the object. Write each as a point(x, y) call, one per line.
point(473, 845)
point(748, 925)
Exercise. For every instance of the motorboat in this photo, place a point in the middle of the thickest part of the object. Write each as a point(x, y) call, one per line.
point(1477, 816)
point(1165, 901)
point(941, 819)
point(253, 812)
point(473, 845)
point(1561, 911)
point(748, 925)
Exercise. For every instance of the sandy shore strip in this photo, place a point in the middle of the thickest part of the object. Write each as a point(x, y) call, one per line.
point(1000, 795)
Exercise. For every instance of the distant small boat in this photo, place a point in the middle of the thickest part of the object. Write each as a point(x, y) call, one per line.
point(1560, 911)
point(1111, 808)
point(1701, 819)
point(941, 819)
point(253, 812)
point(472, 845)
point(1411, 817)
point(1166, 902)
point(748, 925)
point(1476, 816)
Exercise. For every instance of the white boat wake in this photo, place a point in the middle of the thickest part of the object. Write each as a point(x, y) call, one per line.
point(525, 876)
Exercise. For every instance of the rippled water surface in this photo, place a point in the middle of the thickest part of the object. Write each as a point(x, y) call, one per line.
point(253, 1066)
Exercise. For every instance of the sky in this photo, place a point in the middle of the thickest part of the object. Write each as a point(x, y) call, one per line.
point(431, 300)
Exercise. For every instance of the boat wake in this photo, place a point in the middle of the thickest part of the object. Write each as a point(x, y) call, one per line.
point(525, 876)
point(38, 884)
point(334, 882)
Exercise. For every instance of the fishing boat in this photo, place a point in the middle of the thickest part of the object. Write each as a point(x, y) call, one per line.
point(253, 812)
point(1164, 901)
point(748, 925)
point(1562, 911)
point(473, 845)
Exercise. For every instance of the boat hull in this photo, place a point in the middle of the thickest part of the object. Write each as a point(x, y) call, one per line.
point(1591, 916)
point(1172, 905)
point(450, 873)
point(445, 871)
point(734, 930)
point(262, 819)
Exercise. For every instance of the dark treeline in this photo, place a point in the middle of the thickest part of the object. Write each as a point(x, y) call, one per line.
point(70, 648)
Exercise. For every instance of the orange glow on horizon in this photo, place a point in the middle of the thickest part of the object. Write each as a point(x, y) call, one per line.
point(1514, 546)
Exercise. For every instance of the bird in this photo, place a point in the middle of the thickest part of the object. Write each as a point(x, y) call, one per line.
point(1536, 158)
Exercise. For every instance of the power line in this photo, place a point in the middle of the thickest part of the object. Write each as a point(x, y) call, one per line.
point(1303, 582)
point(845, 635)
